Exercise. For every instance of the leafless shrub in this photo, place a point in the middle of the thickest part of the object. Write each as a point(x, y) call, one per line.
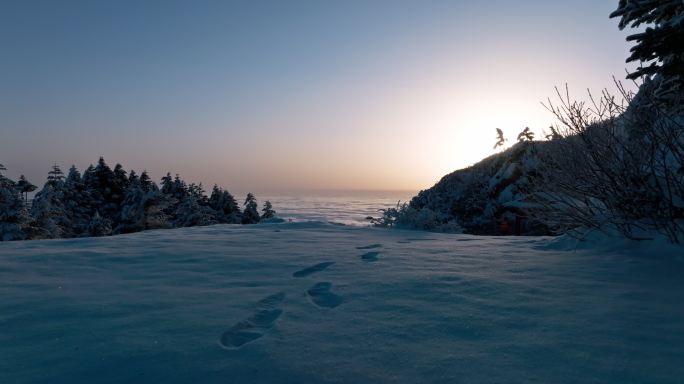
point(617, 161)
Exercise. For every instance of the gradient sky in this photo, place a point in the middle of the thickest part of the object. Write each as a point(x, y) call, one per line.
point(268, 95)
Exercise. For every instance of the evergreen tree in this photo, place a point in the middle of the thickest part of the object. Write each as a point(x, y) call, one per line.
point(78, 204)
point(120, 179)
point(250, 213)
point(25, 187)
point(48, 209)
point(660, 47)
point(180, 190)
point(226, 209)
point(231, 209)
point(167, 184)
point(143, 207)
point(14, 218)
point(106, 192)
point(525, 135)
point(74, 176)
point(101, 199)
point(173, 190)
point(132, 208)
point(99, 226)
point(89, 177)
point(145, 182)
point(215, 198)
point(55, 175)
point(190, 213)
point(267, 212)
point(133, 178)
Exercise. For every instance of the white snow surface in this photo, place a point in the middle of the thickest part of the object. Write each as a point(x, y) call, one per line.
point(237, 304)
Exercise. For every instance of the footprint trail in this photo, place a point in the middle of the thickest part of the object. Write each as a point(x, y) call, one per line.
point(321, 295)
point(255, 326)
point(313, 269)
point(370, 256)
point(372, 246)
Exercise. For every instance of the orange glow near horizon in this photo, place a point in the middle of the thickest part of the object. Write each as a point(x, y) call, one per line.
point(333, 96)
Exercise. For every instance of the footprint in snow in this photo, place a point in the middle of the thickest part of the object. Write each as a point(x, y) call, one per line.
point(370, 256)
point(372, 246)
point(322, 297)
point(313, 269)
point(256, 325)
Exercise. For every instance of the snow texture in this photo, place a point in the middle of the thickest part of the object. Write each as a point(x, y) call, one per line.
point(296, 303)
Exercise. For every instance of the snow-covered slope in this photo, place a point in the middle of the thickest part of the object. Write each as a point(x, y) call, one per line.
point(318, 303)
point(481, 196)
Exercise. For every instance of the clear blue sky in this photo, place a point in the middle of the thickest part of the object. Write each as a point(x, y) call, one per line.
point(266, 95)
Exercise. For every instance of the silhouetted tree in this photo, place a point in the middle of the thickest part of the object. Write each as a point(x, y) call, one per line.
point(55, 175)
point(267, 211)
point(659, 49)
point(250, 213)
point(145, 182)
point(25, 187)
point(525, 135)
point(500, 140)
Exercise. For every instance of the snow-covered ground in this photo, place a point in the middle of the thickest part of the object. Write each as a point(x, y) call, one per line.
point(322, 303)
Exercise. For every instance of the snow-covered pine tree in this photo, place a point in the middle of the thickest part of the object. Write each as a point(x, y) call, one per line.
point(55, 175)
point(14, 217)
point(155, 205)
point(133, 177)
point(267, 212)
point(231, 209)
point(226, 209)
point(132, 218)
point(146, 183)
point(190, 213)
point(173, 191)
point(109, 190)
point(660, 47)
point(120, 178)
point(88, 177)
point(167, 184)
point(180, 189)
point(25, 187)
point(99, 226)
point(51, 218)
point(78, 204)
point(250, 213)
point(215, 202)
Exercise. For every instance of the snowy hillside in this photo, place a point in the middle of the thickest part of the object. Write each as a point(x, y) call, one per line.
point(318, 303)
point(480, 196)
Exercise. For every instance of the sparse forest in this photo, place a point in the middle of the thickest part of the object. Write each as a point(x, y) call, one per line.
point(104, 201)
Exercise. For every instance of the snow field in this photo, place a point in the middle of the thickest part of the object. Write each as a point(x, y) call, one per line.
point(303, 302)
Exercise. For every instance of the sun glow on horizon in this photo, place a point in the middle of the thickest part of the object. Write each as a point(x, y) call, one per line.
point(296, 95)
